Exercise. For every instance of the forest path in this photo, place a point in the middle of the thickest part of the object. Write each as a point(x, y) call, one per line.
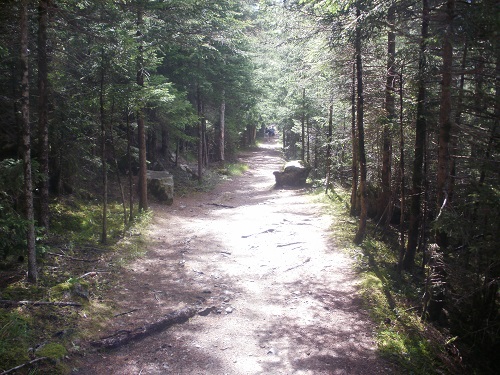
point(285, 298)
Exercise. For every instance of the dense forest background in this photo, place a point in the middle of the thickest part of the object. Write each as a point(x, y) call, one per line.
point(397, 101)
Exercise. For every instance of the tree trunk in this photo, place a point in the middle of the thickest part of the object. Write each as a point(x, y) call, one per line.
point(303, 122)
point(384, 204)
point(308, 137)
point(130, 173)
point(445, 122)
point(354, 138)
point(204, 136)
point(43, 128)
point(104, 233)
point(200, 135)
point(25, 122)
point(222, 127)
point(360, 235)
point(143, 181)
point(164, 141)
point(402, 176)
point(329, 148)
point(420, 144)
point(117, 169)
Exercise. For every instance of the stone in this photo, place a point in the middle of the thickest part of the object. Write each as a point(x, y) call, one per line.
point(161, 186)
point(294, 173)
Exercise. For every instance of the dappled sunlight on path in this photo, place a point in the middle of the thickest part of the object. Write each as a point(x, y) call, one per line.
point(284, 300)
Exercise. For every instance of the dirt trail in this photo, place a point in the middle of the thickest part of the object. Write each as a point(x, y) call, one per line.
point(285, 299)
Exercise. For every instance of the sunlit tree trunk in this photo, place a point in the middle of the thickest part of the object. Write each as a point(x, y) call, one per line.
point(26, 145)
point(303, 123)
point(354, 141)
point(360, 235)
point(222, 127)
point(329, 148)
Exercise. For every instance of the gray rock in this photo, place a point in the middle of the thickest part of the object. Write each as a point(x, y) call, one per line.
point(161, 186)
point(294, 173)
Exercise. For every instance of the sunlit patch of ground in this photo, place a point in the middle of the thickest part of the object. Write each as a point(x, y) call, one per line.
point(285, 300)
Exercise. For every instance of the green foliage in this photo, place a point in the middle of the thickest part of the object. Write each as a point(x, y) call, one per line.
point(80, 221)
point(15, 334)
point(12, 232)
point(13, 226)
point(393, 301)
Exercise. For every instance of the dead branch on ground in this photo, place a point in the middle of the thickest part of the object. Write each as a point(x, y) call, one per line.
point(123, 337)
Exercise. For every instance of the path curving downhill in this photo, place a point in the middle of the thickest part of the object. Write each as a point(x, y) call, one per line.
point(284, 298)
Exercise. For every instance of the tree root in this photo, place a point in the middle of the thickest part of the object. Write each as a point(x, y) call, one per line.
point(123, 337)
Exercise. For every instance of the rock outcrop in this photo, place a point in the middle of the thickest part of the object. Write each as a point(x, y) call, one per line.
point(161, 186)
point(294, 173)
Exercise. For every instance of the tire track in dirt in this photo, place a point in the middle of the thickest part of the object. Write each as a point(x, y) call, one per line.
point(284, 298)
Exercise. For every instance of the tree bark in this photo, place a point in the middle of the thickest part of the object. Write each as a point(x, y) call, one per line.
point(43, 127)
point(200, 134)
point(401, 177)
point(360, 235)
point(329, 148)
point(445, 122)
point(141, 127)
point(129, 162)
point(222, 127)
point(354, 140)
point(104, 233)
point(420, 144)
point(384, 204)
point(26, 144)
point(303, 122)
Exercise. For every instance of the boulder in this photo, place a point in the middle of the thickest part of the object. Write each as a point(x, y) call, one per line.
point(161, 186)
point(294, 173)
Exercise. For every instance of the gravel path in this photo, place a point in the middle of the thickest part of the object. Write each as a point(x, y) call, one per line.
point(284, 298)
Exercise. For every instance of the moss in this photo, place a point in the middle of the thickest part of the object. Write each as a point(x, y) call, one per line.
point(22, 291)
point(53, 351)
point(72, 288)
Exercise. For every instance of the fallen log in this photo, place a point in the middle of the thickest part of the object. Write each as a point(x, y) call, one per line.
point(6, 303)
point(123, 337)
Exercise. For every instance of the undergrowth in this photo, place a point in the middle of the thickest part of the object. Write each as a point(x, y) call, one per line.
point(74, 268)
point(394, 301)
point(77, 268)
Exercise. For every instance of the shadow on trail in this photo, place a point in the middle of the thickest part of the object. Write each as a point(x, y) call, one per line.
point(308, 341)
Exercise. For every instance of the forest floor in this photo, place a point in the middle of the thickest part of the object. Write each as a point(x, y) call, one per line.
point(282, 298)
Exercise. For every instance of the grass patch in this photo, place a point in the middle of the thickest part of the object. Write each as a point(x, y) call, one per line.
point(15, 337)
point(81, 221)
point(233, 169)
point(394, 301)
